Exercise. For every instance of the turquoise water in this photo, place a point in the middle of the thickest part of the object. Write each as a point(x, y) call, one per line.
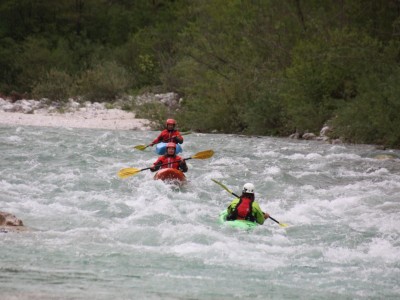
point(95, 236)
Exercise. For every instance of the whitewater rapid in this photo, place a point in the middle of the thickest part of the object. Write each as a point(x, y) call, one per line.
point(95, 236)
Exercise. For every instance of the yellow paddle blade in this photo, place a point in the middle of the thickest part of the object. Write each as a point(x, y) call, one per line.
point(203, 154)
point(283, 224)
point(140, 147)
point(124, 173)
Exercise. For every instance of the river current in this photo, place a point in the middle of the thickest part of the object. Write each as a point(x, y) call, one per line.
point(95, 236)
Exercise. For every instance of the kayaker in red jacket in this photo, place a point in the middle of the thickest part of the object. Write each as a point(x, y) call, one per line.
point(170, 160)
point(245, 208)
point(169, 134)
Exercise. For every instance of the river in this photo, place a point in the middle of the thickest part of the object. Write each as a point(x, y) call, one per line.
point(95, 236)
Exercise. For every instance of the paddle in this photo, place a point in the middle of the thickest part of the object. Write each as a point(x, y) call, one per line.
point(143, 147)
point(126, 172)
point(229, 191)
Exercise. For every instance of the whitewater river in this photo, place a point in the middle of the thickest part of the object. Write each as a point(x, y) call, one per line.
point(95, 236)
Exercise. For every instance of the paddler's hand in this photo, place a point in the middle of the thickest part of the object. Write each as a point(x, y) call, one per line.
point(182, 163)
point(266, 216)
point(178, 140)
point(182, 166)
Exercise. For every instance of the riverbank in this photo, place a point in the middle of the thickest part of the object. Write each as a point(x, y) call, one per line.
point(88, 115)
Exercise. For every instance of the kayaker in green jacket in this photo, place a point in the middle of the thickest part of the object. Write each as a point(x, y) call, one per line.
point(245, 208)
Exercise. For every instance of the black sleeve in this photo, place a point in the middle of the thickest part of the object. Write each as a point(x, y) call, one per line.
point(183, 166)
point(156, 167)
point(178, 140)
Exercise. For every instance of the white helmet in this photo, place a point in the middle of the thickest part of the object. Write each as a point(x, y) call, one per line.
point(248, 188)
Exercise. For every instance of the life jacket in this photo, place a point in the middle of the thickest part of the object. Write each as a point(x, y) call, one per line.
point(167, 136)
point(243, 210)
point(169, 161)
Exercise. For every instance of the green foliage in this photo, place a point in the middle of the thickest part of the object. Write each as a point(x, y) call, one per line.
point(104, 82)
point(157, 112)
point(209, 102)
point(257, 67)
point(324, 76)
point(373, 115)
point(35, 59)
point(8, 70)
point(55, 86)
point(139, 60)
point(224, 63)
point(264, 113)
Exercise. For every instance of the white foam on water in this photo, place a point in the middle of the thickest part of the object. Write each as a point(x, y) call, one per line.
point(341, 207)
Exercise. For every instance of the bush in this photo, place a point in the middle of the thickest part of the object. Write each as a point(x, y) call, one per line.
point(156, 112)
point(324, 76)
point(55, 85)
point(264, 113)
point(373, 116)
point(105, 82)
point(8, 71)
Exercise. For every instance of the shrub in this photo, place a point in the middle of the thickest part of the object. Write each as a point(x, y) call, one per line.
point(324, 76)
point(104, 82)
point(55, 85)
point(156, 112)
point(373, 116)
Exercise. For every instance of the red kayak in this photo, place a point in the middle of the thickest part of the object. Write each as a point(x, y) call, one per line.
point(171, 175)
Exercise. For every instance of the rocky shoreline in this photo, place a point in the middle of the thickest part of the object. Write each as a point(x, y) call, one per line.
point(72, 115)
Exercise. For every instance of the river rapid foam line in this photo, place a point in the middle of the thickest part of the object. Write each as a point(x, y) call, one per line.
point(95, 236)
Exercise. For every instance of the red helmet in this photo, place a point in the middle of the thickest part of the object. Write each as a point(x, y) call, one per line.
point(171, 145)
point(171, 121)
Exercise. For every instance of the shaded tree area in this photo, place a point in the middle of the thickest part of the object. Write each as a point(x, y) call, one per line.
point(266, 67)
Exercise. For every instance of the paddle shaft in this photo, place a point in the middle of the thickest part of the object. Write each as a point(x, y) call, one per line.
point(183, 133)
point(165, 164)
point(161, 142)
point(143, 147)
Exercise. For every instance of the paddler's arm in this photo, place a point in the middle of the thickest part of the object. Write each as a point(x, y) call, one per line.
point(231, 209)
point(259, 214)
point(232, 205)
point(156, 166)
point(178, 139)
point(157, 139)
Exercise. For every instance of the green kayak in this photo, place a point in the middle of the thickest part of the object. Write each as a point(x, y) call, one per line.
point(243, 224)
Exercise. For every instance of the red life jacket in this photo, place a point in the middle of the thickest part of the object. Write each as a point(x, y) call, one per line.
point(167, 136)
point(243, 210)
point(169, 161)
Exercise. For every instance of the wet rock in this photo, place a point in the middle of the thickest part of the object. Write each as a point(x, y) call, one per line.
point(325, 131)
point(309, 136)
point(9, 222)
point(295, 135)
point(171, 100)
point(385, 156)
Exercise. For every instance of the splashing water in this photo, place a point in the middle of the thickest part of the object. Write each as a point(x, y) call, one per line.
point(95, 236)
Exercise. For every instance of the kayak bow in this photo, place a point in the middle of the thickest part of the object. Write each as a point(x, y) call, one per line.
point(170, 175)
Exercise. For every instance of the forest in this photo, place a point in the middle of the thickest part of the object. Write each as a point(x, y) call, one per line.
point(256, 67)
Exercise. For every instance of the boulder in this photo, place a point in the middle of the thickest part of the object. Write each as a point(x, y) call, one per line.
point(9, 222)
point(309, 136)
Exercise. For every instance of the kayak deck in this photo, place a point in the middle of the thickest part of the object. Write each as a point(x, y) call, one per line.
point(243, 224)
point(170, 175)
point(161, 148)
